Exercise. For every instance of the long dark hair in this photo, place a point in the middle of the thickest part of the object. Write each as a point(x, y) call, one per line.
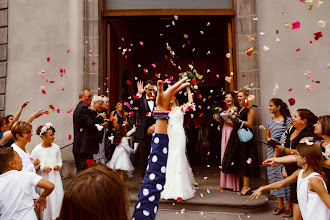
point(313, 155)
point(309, 116)
point(325, 124)
point(285, 112)
point(232, 95)
point(120, 132)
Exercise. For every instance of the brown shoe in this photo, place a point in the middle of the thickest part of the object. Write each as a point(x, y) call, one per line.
point(278, 211)
point(288, 213)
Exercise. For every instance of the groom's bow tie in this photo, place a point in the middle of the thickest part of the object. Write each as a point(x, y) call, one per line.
point(151, 100)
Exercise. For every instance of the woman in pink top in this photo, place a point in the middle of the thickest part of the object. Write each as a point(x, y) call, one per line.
point(229, 181)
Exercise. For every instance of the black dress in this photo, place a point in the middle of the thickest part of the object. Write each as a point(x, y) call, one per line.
point(241, 158)
point(292, 144)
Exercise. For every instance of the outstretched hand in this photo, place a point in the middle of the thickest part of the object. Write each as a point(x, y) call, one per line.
point(256, 194)
point(40, 204)
point(269, 162)
point(25, 103)
point(164, 97)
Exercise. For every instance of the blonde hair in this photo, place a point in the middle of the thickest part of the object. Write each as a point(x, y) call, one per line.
point(96, 99)
point(20, 127)
point(105, 98)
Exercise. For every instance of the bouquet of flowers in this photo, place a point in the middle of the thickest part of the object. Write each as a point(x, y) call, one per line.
point(192, 76)
point(216, 110)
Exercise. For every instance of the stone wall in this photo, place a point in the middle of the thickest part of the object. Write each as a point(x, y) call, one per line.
point(3, 52)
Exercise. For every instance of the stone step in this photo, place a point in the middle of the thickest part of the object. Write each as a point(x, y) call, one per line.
point(212, 201)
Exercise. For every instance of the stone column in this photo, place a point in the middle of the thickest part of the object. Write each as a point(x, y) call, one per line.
point(247, 66)
point(3, 52)
point(93, 59)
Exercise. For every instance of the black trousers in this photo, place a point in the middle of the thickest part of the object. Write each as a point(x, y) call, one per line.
point(80, 161)
point(144, 145)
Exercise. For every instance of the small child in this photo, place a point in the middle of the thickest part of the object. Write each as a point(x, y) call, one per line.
point(120, 160)
point(311, 188)
point(50, 164)
point(15, 189)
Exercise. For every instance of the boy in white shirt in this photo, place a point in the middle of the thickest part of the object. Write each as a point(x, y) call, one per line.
point(15, 189)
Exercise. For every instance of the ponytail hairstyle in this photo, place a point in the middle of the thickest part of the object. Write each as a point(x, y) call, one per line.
point(313, 155)
point(285, 112)
point(120, 132)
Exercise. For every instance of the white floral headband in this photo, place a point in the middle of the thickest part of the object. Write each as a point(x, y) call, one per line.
point(45, 128)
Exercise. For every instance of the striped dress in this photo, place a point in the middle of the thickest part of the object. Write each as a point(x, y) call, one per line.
point(276, 130)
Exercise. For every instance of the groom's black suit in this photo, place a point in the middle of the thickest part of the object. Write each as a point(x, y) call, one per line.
point(144, 122)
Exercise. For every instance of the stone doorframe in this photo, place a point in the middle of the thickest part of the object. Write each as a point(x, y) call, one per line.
point(3, 52)
point(245, 11)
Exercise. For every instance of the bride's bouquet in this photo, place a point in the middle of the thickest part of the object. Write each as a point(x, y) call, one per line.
point(193, 76)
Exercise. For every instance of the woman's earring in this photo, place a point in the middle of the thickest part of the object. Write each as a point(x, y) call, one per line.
point(303, 122)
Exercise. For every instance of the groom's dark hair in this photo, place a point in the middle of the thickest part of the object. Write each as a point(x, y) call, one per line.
point(151, 82)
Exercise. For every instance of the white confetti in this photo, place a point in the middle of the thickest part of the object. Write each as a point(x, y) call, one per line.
point(202, 195)
point(321, 23)
point(277, 39)
point(228, 55)
point(262, 33)
point(265, 48)
point(208, 191)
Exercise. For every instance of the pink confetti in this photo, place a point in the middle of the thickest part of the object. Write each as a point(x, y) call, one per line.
point(68, 51)
point(176, 17)
point(42, 74)
point(141, 42)
point(86, 42)
point(153, 65)
point(130, 114)
point(48, 59)
point(298, 49)
point(98, 89)
point(57, 110)
point(123, 39)
point(81, 129)
point(127, 104)
point(295, 25)
point(290, 90)
point(232, 163)
point(70, 110)
point(62, 89)
point(249, 161)
point(218, 75)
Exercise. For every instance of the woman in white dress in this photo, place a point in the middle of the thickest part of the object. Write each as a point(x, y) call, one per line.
point(50, 158)
point(179, 184)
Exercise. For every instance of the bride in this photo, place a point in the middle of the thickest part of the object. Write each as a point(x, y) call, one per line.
point(180, 181)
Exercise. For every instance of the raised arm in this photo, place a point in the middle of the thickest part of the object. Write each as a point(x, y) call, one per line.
point(7, 135)
point(190, 97)
point(18, 113)
point(35, 115)
point(87, 120)
point(154, 179)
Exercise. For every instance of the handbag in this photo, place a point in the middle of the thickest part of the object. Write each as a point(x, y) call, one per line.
point(244, 134)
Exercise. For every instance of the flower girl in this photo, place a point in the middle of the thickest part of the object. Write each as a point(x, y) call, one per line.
point(50, 163)
point(120, 160)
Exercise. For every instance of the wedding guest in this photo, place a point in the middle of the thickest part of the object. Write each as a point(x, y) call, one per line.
point(229, 181)
point(241, 158)
point(119, 114)
point(86, 142)
point(276, 126)
point(16, 199)
point(89, 193)
point(120, 160)
point(302, 129)
point(50, 158)
point(96, 107)
point(313, 198)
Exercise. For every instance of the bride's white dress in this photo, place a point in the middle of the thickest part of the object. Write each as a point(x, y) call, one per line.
point(179, 176)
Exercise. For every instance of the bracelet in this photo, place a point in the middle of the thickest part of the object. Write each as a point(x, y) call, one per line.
point(160, 111)
point(162, 116)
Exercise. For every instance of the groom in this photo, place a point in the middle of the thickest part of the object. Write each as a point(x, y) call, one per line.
point(146, 122)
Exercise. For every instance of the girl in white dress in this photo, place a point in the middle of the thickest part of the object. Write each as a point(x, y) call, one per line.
point(120, 160)
point(180, 181)
point(50, 158)
point(311, 188)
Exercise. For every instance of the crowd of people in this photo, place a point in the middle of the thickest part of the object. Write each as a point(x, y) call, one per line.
point(298, 147)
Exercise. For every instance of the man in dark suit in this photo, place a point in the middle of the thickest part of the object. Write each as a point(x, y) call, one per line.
point(146, 122)
point(86, 142)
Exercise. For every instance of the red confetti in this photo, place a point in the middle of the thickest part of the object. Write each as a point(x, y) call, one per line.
point(136, 97)
point(50, 81)
point(48, 59)
point(221, 190)
point(112, 118)
point(246, 104)
point(276, 31)
point(188, 41)
point(46, 112)
point(70, 136)
point(145, 71)
point(209, 97)
point(218, 75)
point(153, 65)
point(179, 199)
point(311, 42)
point(298, 50)
point(141, 42)
point(93, 63)
point(243, 75)
point(194, 82)
point(317, 81)
point(51, 107)
point(128, 82)
point(165, 57)
point(61, 70)
point(292, 101)
point(43, 91)
point(195, 91)
point(62, 89)
point(201, 114)
point(68, 51)
point(199, 96)
point(318, 35)
point(90, 162)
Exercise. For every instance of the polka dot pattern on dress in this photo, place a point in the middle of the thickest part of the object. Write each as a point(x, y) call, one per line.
point(138, 205)
point(146, 213)
point(145, 192)
point(152, 198)
point(155, 209)
point(154, 159)
point(152, 176)
point(163, 169)
point(159, 186)
point(164, 150)
point(156, 140)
